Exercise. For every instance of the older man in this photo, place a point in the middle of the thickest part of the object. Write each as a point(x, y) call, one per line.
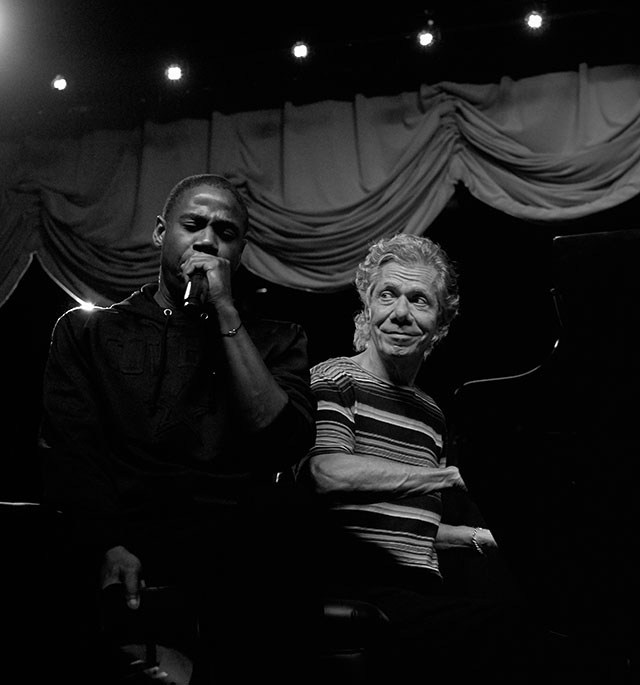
point(379, 468)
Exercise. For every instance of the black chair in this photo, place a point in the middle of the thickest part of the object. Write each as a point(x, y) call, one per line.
point(351, 629)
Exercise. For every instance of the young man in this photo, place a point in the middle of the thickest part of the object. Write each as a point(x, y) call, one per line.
point(166, 424)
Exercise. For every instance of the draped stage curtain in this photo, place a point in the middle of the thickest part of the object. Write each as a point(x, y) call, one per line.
point(323, 180)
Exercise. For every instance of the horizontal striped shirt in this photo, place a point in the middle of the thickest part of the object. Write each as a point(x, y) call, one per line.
point(363, 415)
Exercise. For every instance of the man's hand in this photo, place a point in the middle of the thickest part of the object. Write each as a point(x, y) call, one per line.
point(218, 273)
point(120, 566)
point(454, 479)
point(485, 539)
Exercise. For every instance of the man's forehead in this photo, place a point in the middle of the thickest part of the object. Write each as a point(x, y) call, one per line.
point(204, 201)
point(416, 274)
point(205, 196)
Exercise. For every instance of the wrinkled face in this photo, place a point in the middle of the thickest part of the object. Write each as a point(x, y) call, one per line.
point(403, 311)
point(205, 219)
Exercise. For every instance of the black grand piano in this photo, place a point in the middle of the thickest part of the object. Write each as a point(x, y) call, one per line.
point(549, 456)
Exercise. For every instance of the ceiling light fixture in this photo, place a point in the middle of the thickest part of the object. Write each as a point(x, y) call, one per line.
point(536, 19)
point(428, 36)
point(174, 72)
point(300, 50)
point(59, 82)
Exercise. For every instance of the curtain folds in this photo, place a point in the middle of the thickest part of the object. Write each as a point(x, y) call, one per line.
point(323, 180)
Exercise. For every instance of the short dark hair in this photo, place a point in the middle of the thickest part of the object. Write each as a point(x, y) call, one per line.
point(213, 180)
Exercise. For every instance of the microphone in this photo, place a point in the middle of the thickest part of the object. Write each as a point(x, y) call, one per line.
point(195, 291)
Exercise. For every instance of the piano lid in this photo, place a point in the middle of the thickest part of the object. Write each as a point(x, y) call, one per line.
point(591, 375)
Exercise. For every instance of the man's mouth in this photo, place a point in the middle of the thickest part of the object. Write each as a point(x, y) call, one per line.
point(401, 335)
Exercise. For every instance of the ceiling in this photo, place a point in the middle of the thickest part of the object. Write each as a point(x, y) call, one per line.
point(238, 56)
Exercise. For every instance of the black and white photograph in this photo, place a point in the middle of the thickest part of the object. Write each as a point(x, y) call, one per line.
point(319, 342)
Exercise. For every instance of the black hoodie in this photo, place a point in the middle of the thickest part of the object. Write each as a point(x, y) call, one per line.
point(138, 424)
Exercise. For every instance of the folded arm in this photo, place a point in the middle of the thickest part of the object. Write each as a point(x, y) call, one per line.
point(335, 474)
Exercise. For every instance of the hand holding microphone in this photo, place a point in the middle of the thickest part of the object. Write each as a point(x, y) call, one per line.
point(196, 291)
point(209, 281)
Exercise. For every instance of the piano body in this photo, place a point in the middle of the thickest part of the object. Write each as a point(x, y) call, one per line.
point(549, 455)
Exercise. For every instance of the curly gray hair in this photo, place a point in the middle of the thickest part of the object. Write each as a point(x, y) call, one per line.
point(408, 250)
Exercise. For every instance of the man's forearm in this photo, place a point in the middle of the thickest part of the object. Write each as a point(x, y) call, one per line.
point(340, 474)
point(464, 537)
point(256, 394)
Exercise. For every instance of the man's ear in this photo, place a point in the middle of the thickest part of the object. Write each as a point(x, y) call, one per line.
point(159, 231)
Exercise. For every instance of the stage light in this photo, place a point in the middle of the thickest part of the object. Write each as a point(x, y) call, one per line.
point(535, 20)
point(174, 72)
point(300, 50)
point(59, 83)
point(429, 35)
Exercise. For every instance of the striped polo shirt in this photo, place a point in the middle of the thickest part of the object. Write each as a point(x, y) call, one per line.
point(361, 414)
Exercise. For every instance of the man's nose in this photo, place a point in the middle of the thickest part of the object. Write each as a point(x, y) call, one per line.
point(206, 241)
point(402, 309)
